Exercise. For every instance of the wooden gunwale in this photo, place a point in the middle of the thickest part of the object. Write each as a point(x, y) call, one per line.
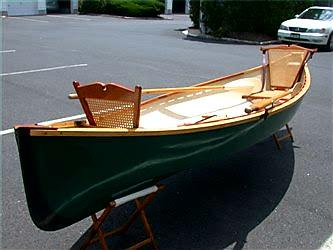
point(201, 127)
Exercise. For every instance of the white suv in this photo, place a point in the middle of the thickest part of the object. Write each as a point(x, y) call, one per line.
point(312, 26)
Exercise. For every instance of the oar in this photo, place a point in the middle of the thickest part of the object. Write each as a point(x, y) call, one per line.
point(193, 89)
point(264, 103)
point(183, 89)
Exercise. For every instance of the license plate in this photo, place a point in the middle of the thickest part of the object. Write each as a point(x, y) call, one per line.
point(294, 35)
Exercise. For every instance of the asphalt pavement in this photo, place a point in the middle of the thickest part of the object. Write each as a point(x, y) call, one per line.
point(259, 198)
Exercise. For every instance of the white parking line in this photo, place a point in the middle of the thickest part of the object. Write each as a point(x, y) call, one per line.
point(8, 51)
point(44, 69)
point(64, 119)
point(7, 131)
point(70, 17)
point(28, 19)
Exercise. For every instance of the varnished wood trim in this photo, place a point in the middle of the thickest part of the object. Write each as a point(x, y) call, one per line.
point(286, 47)
point(202, 127)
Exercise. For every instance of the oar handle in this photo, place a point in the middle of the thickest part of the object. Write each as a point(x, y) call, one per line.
point(264, 103)
point(73, 96)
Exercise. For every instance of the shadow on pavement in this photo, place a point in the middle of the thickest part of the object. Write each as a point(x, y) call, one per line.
point(217, 205)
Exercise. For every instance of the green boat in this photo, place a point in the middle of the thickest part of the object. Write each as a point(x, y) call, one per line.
point(74, 169)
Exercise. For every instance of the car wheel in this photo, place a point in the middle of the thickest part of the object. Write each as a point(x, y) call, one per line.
point(329, 45)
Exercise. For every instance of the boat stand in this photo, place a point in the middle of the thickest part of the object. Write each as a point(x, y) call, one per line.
point(286, 136)
point(142, 199)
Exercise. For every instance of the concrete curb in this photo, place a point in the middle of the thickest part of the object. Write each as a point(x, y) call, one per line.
point(208, 38)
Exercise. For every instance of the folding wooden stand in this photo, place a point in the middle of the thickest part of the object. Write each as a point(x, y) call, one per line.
point(286, 136)
point(142, 200)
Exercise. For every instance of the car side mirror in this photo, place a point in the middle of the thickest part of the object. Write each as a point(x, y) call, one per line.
point(297, 16)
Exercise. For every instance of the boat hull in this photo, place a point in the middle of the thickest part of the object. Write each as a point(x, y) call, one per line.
point(67, 178)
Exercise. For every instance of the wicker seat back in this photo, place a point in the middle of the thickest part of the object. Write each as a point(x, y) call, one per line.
point(110, 105)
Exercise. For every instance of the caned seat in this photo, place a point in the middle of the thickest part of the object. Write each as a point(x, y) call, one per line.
point(285, 65)
point(282, 75)
point(284, 68)
point(110, 105)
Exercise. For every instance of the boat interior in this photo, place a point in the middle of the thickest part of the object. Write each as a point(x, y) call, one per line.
point(277, 80)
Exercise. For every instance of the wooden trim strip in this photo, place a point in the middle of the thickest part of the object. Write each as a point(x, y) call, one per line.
point(106, 132)
point(286, 47)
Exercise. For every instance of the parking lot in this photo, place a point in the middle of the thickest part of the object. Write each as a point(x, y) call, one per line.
point(259, 198)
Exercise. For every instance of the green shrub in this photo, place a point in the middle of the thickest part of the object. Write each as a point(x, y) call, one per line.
point(135, 8)
point(91, 6)
point(257, 16)
point(139, 8)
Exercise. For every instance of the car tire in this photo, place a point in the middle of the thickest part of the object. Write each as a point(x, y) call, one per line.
point(329, 45)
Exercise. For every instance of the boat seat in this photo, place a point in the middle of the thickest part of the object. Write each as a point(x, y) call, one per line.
point(285, 65)
point(284, 72)
point(110, 105)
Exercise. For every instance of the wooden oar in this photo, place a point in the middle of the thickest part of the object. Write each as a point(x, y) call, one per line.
point(183, 89)
point(264, 103)
point(193, 89)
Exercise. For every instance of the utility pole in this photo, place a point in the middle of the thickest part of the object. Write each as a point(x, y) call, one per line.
point(201, 20)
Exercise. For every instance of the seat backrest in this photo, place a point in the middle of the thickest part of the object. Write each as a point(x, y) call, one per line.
point(285, 64)
point(110, 105)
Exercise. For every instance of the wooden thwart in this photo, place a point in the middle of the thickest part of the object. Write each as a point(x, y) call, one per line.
point(142, 200)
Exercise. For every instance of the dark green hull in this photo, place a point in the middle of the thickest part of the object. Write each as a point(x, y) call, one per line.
point(68, 178)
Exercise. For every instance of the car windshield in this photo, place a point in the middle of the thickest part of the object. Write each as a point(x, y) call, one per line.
point(317, 14)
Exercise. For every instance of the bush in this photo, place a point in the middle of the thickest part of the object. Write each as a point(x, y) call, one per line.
point(91, 6)
point(258, 16)
point(134, 8)
point(138, 8)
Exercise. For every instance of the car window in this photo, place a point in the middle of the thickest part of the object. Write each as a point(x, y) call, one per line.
point(317, 14)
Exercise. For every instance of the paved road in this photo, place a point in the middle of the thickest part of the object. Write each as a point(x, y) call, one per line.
point(259, 198)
